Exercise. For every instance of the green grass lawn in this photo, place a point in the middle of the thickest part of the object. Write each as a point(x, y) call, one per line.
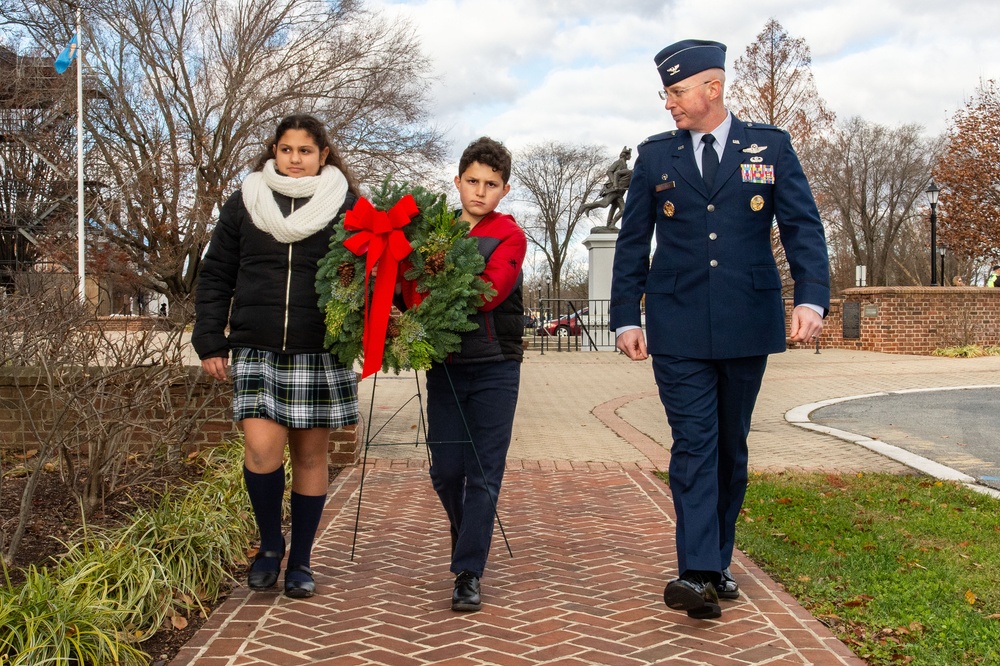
point(905, 569)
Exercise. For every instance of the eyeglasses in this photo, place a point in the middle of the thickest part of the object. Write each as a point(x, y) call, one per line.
point(677, 93)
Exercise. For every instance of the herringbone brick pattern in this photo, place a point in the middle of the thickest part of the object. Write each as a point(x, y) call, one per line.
point(592, 551)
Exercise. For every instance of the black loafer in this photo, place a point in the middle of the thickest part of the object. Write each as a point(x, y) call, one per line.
point(727, 588)
point(466, 597)
point(265, 578)
point(299, 589)
point(693, 595)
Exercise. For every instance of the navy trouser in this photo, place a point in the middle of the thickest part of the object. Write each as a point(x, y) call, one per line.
point(467, 475)
point(709, 404)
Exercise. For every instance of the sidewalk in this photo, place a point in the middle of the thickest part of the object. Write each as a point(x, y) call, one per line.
point(590, 527)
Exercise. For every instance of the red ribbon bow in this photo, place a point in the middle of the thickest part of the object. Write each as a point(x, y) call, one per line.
point(381, 239)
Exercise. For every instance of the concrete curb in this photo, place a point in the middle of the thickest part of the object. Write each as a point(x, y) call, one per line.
point(799, 416)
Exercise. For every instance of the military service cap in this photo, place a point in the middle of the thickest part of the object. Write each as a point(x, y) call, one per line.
point(686, 58)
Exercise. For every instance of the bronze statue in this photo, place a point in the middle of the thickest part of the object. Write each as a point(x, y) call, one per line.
point(612, 193)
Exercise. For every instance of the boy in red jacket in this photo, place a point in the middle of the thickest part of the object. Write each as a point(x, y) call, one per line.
point(471, 397)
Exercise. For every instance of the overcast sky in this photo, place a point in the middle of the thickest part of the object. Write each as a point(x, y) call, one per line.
point(581, 71)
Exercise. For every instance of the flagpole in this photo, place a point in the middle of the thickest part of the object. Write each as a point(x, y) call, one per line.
point(80, 232)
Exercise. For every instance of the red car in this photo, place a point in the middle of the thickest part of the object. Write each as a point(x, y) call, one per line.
point(564, 326)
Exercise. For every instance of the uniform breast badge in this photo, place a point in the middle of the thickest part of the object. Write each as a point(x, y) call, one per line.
point(756, 203)
point(668, 208)
point(753, 149)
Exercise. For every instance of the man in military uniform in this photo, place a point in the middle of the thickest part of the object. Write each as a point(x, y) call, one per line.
point(710, 191)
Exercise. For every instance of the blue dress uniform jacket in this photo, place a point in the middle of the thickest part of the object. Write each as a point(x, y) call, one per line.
point(713, 290)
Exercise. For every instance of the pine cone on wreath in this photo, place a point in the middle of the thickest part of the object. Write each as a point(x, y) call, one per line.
point(392, 329)
point(346, 273)
point(434, 264)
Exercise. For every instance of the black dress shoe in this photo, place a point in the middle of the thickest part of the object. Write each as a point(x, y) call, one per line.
point(466, 596)
point(694, 595)
point(263, 579)
point(299, 586)
point(727, 587)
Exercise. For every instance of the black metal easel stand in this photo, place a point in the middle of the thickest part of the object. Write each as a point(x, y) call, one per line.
point(421, 427)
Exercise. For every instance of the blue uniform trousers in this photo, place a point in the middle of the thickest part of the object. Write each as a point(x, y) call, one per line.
point(467, 475)
point(709, 404)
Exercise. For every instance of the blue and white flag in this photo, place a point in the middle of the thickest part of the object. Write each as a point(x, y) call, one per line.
point(65, 58)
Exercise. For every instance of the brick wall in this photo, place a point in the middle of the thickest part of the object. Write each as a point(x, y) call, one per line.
point(213, 428)
point(913, 320)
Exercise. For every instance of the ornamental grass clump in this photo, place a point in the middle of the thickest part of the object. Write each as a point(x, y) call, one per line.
point(193, 545)
point(116, 587)
point(53, 620)
point(130, 576)
point(967, 351)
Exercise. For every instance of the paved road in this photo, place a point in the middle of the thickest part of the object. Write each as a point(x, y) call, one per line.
point(957, 428)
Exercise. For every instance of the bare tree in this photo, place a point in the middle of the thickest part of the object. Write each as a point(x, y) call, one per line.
point(190, 90)
point(772, 83)
point(969, 176)
point(557, 179)
point(868, 180)
point(106, 407)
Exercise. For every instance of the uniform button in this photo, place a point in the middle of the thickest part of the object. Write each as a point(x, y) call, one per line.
point(713, 263)
point(713, 236)
point(711, 208)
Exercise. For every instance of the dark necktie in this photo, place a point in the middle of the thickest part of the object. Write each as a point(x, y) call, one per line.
point(709, 161)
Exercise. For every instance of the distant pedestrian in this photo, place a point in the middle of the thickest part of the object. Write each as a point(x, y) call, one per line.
point(258, 283)
point(991, 281)
point(957, 281)
point(163, 309)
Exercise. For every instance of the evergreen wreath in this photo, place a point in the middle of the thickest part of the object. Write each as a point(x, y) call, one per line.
point(443, 267)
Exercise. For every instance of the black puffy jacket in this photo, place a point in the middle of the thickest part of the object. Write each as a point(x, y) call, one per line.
point(270, 286)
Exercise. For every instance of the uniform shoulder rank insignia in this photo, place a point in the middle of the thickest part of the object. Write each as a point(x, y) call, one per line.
point(659, 137)
point(753, 149)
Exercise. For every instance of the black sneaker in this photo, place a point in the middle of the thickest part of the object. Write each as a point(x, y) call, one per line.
point(466, 596)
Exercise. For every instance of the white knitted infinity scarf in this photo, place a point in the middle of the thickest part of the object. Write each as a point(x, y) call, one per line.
point(327, 191)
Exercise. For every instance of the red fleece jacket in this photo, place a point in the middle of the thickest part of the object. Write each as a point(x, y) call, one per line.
point(504, 264)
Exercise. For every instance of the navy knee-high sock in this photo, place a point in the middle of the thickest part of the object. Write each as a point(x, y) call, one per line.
point(306, 513)
point(266, 492)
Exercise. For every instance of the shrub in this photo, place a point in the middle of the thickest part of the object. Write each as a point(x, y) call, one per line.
point(56, 620)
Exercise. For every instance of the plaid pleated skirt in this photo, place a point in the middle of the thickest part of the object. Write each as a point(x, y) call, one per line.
point(293, 390)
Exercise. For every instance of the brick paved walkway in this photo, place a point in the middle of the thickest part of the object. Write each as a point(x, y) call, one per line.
point(592, 548)
point(590, 526)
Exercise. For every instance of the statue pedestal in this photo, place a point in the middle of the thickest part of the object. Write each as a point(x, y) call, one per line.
point(600, 246)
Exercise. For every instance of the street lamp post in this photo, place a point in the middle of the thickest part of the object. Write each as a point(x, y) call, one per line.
point(932, 197)
point(548, 311)
point(941, 251)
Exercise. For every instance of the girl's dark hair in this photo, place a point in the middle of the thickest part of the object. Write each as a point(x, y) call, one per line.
point(315, 129)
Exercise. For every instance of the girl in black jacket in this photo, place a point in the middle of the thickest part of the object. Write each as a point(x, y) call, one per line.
point(258, 279)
